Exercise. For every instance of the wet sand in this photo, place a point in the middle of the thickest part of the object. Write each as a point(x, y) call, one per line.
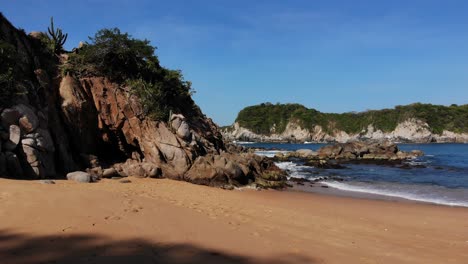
point(164, 221)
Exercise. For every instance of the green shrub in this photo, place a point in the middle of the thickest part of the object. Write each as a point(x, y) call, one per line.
point(115, 54)
point(132, 62)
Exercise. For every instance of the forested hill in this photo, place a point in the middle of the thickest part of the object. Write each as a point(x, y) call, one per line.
point(261, 118)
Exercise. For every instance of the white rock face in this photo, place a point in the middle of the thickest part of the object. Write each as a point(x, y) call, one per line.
point(449, 136)
point(295, 131)
point(411, 130)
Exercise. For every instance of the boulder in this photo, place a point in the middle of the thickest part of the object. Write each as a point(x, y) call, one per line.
point(28, 120)
point(272, 178)
point(330, 151)
point(9, 117)
point(136, 169)
point(228, 169)
point(44, 140)
point(306, 153)
point(109, 173)
point(417, 153)
point(38, 149)
point(79, 176)
point(96, 172)
point(184, 131)
point(14, 138)
point(32, 157)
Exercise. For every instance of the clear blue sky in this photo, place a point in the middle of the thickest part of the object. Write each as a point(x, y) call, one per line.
point(335, 56)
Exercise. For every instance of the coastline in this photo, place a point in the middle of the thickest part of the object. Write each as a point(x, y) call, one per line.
point(177, 222)
point(332, 191)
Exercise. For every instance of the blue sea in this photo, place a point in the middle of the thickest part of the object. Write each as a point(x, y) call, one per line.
point(440, 178)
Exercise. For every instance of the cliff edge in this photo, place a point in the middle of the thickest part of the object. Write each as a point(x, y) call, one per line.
point(55, 121)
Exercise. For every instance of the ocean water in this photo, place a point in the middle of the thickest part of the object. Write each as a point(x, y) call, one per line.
point(442, 178)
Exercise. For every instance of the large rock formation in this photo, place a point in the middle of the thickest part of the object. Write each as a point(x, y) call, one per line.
point(331, 156)
point(410, 131)
point(64, 124)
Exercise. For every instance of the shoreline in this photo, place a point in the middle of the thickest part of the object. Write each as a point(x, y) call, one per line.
point(177, 222)
point(336, 192)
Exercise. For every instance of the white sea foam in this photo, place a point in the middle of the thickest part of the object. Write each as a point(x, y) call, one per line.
point(243, 142)
point(430, 194)
point(296, 171)
point(269, 153)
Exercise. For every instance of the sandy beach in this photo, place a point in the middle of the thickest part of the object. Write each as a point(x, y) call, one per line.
point(164, 221)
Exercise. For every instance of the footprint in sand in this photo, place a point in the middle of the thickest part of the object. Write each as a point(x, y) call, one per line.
point(114, 217)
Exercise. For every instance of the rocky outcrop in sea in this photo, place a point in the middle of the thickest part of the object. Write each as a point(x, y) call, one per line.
point(334, 156)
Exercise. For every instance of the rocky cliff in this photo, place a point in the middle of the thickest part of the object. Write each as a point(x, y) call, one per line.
point(409, 131)
point(59, 123)
point(294, 122)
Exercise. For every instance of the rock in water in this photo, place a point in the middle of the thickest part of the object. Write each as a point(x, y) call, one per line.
point(79, 176)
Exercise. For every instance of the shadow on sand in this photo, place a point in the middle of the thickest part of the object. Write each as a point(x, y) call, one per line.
point(17, 248)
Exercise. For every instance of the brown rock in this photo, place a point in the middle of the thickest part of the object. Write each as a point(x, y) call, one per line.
point(28, 120)
point(330, 151)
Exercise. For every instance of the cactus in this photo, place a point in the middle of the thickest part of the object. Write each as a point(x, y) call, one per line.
point(57, 36)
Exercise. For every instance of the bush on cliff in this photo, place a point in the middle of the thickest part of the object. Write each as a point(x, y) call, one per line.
point(132, 62)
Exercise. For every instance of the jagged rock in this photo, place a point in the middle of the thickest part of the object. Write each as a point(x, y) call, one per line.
point(28, 120)
point(330, 151)
point(14, 138)
point(234, 169)
point(180, 126)
point(323, 164)
point(63, 118)
point(39, 150)
point(80, 176)
point(109, 173)
point(306, 153)
point(273, 178)
point(96, 172)
point(138, 169)
point(205, 171)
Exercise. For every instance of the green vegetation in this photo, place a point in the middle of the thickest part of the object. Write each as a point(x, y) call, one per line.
point(260, 118)
point(9, 74)
point(57, 37)
point(132, 63)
